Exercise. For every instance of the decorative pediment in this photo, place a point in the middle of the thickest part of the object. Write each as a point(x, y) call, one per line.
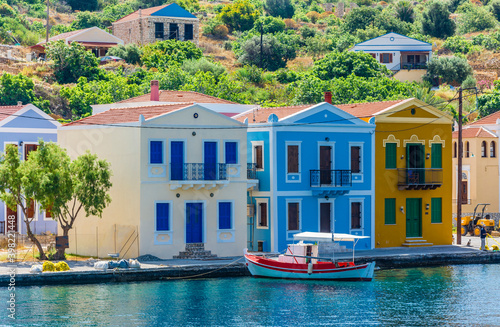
point(413, 139)
point(436, 140)
point(391, 139)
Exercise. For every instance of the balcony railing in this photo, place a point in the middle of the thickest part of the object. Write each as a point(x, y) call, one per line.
point(2, 227)
point(198, 172)
point(251, 171)
point(331, 178)
point(420, 178)
point(413, 65)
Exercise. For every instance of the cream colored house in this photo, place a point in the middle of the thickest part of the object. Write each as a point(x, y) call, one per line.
point(179, 181)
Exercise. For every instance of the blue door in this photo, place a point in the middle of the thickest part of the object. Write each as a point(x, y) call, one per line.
point(210, 160)
point(194, 214)
point(176, 160)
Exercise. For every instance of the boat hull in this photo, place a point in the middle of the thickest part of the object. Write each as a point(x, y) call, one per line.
point(263, 267)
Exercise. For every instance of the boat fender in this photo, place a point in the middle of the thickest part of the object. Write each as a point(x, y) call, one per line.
point(310, 268)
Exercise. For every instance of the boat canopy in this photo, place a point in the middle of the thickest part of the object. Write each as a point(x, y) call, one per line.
point(326, 237)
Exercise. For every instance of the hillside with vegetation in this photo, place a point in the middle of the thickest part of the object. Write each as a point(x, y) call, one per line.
point(303, 53)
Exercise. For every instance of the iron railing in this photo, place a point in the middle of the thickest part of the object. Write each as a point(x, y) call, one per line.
point(330, 178)
point(413, 65)
point(198, 172)
point(420, 176)
point(2, 227)
point(251, 171)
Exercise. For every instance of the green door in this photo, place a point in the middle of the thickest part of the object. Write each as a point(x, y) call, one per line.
point(413, 217)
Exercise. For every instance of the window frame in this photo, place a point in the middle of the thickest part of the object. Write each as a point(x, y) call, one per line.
point(361, 210)
point(293, 177)
point(357, 177)
point(169, 219)
point(231, 217)
point(254, 154)
point(258, 219)
point(493, 149)
point(484, 151)
point(436, 161)
point(24, 148)
point(298, 202)
point(237, 146)
point(163, 151)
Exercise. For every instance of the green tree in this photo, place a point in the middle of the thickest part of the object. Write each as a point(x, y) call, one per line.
point(404, 11)
point(279, 8)
point(448, 69)
point(86, 19)
point(222, 87)
point(473, 18)
point(168, 53)
point(495, 8)
point(240, 15)
point(436, 20)
point(14, 88)
point(83, 4)
point(192, 66)
point(90, 181)
point(72, 61)
point(489, 103)
point(130, 52)
point(271, 54)
point(360, 18)
point(342, 64)
point(269, 24)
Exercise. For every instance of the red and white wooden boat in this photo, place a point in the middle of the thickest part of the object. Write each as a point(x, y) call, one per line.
point(301, 261)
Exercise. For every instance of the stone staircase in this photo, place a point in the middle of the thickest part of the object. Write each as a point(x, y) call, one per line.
point(195, 251)
point(415, 242)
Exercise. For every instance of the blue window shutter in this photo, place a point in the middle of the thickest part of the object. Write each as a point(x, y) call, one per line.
point(231, 153)
point(224, 215)
point(156, 152)
point(162, 212)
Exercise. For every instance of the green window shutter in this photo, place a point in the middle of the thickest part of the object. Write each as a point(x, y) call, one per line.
point(390, 155)
point(390, 211)
point(436, 157)
point(436, 210)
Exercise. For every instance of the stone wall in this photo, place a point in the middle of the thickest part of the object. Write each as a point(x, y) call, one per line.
point(130, 31)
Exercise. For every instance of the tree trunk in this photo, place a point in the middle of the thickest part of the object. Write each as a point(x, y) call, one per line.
point(60, 251)
point(33, 239)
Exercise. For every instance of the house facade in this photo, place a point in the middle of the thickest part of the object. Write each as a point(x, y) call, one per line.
point(179, 181)
point(314, 169)
point(23, 126)
point(157, 24)
point(480, 167)
point(413, 171)
point(405, 56)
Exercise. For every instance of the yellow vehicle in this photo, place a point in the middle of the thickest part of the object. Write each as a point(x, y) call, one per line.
point(470, 224)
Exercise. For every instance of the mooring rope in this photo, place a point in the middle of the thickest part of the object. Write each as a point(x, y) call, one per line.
point(205, 273)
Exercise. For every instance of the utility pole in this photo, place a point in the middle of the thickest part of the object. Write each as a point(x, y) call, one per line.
point(261, 52)
point(48, 27)
point(459, 170)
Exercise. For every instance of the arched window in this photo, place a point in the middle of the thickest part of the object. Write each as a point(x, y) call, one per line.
point(492, 149)
point(467, 149)
point(483, 150)
point(454, 149)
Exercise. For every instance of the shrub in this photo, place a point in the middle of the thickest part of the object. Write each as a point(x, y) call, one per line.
point(474, 18)
point(169, 53)
point(48, 266)
point(449, 69)
point(203, 64)
point(7, 11)
point(306, 31)
point(269, 25)
point(342, 64)
point(61, 266)
point(239, 15)
point(458, 44)
point(252, 74)
point(313, 16)
point(279, 8)
point(220, 31)
point(130, 52)
point(436, 20)
point(291, 24)
point(275, 53)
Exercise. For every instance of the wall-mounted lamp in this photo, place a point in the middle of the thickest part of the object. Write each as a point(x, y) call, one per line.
point(402, 157)
point(20, 143)
point(211, 195)
point(326, 197)
point(327, 139)
point(402, 209)
point(194, 133)
point(426, 206)
point(427, 156)
point(178, 195)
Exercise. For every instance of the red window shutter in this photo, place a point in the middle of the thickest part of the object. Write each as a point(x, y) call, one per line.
point(48, 212)
point(30, 211)
point(390, 57)
point(293, 158)
point(373, 55)
point(28, 148)
point(258, 157)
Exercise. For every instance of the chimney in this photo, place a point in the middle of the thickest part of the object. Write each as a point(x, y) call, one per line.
point(328, 97)
point(155, 91)
point(19, 103)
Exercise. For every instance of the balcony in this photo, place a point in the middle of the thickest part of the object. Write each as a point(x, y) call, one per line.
point(330, 182)
point(419, 178)
point(198, 176)
point(413, 65)
point(252, 181)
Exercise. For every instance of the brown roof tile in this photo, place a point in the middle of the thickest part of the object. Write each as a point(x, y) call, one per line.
point(144, 12)
point(63, 36)
point(260, 115)
point(128, 115)
point(367, 109)
point(6, 111)
point(473, 132)
point(179, 96)
point(490, 119)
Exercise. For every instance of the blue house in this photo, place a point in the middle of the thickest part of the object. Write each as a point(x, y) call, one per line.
point(23, 126)
point(314, 169)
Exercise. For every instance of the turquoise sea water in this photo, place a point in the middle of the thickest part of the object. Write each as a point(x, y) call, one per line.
point(466, 295)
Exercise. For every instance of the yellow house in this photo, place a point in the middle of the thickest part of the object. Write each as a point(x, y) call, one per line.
point(179, 182)
point(412, 172)
point(479, 169)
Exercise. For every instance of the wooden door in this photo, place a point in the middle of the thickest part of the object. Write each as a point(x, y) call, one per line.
point(325, 216)
point(465, 196)
point(325, 164)
point(413, 217)
point(210, 160)
point(11, 224)
point(176, 160)
point(194, 219)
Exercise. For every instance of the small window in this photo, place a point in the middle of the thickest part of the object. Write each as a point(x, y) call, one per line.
point(436, 156)
point(493, 149)
point(231, 152)
point(156, 152)
point(28, 148)
point(162, 217)
point(188, 32)
point(436, 210)
point(225, 215)
point(355, 215)
point(454, 149)
point(390, 155)
point(390, 211)
point(48, 212)
point(293, 216)
point(483, 150)
point(355, 159)
point(262, 214)
point(159, 31)
point(174, 31)
point(467, 149)
point(386, 58)
point(31, 209)
point(293, 158)
point(258, 157)
point(374, 55)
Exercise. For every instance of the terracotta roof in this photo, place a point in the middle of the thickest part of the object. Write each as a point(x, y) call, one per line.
point(367, 109)
point(63, 36)
point(473, 132)
point(261, 114)
point(179, 96)
point(144, 12)
point(6, 111)
point(490, 119)
point(128, 115)
point(98, 44)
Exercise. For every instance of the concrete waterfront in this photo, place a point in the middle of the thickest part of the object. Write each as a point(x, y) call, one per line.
point(82, 272)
